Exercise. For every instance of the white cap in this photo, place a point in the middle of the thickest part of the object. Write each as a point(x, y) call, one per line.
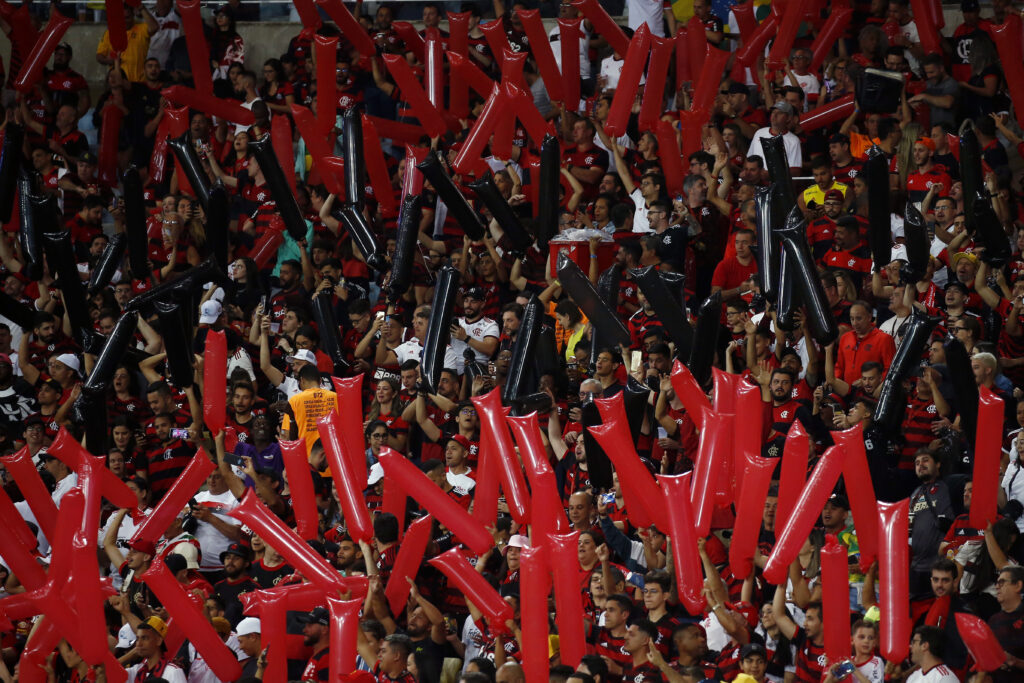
point(302, 354)
point(376, 474)
point(899, 253)
point(209, 312)
point(71, 360)
point(189, 552)
point(247, 626)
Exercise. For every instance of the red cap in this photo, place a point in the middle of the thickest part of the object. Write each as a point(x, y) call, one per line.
point(461, 440)
point(834, 195)
point(143, 546)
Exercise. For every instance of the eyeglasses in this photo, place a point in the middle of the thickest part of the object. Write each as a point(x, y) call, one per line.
point(378, 437)
point(1002, 582)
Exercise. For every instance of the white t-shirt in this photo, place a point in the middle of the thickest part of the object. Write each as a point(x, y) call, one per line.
point(794, 154)
point(640, 222)
point(211, 541)
point(611, 69)
point(811, 87)
point(651, 11)
point(553, 37)
point(480, 330)
point(160, 42)
point(937, 674)
point(413, 350)
point(172, 673)
point(873, 669)
point(63, 486)
point(461, 481)
point(199, 671)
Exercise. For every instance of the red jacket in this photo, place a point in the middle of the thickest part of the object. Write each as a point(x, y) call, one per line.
point(854, 352)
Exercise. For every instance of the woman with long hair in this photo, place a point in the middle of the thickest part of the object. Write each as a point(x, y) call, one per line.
point(226, 46)
point(980, 90)
point(276, 91)
point(387, 407)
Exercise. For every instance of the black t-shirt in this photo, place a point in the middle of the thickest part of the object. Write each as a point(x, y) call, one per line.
point(1008, 628)
point(269, 577)
point(434, 656)
point(229, 591)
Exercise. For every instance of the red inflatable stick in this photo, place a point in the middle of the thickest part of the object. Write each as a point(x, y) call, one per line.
point(512, 64)
point(394, 502)
point(657, 74)
point(793, 474)
point(286, 542)
point(472, 149)
point(694, 400)
point(352, 29)
point(533, 610)
point(71, 453)
point(410, 556)
point(426, 493)
point(117, 29)
point(494, 34)
point(414, 94)
point(406, 133)
point(158, 162)
point(570, 33)
point(504, 131)
point(835, 599)
point(221, 660)
point(805, 512)
point(434, 75)
point(110, 129)
point(710, 78)
point(475, 587)
point(88, 595)
point(377, 172)
point(987, 451)
point(691, 130)
point(671, 159)
point(269, 242)
point(629, 81)
point(458, 44)
point(696, 46)
point(18, 556)
point(682, 530)
point(318, 148)
point(195, 42)
point(412, 183)
point(32, 488)
point(542, 52)
point(308, 14)
point(749, 513)
point(746, 55)
point(545, 505)
point(13, 525)
point(216, 106)
point(745, 19)
point(756, 413)
point(615, 439)
point(409, 35)
point(683, 73)
point(300, 482)
point(830, 113)
point(983, 645)
point(535, 125)
point(344, 635)
point(326, 51)
point(176, 498)
point(464, 71)
point(603, 24)
point(861, 493)
point(563, 552)
point(893, 580)
point(830, 33)
point(712, 460)
point(271, 607)
point(348, 392)
point(215, 377)
point(42, 641)
point(928, 33)
point(792, 15)
point(347, 484)
point(496, 438)
point(32, 67)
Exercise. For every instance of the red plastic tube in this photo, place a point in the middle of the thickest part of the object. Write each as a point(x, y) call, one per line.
point(983, 645)
point(828, 114)
point(926, 29)
point(749, 439)
point(412, 183)
point(657, 74)
point(565, 573)
point(208, 104)
point(435, 501)
point(697, 46)
point(893, 580)
point(377, 171)
point(494, 432)
point(691, 130)
point(805, 512)
point(629, 81)
point(411, 37)
point(348, 392)
point(158, 162)
point(434, 76)
point(548, 514)
point(793, 475)
point(326, 51)
point(394, 502)
point(458, 44)
point(71, 453)
point(542, 52)
point(603, 24)
point(494, 34)
point(467, 73)
point(405, 133)
point(116, 27)
point(683, 74)
point(833, 29)
point(344, 635)
point(712, 460)
point(13, 525)
point(268, 243)
point(570, 33)
point(861, 492)
point(348, 486)
point(195, 43)
point(352, 29)
point(746, 55)
point(749, 513)
point(49, 38)
point(176, 498)
point(300, 482)
point(689, 392)
point(792, 15)
point(533, 611)
point(308, 14)
point(835, 599)
point(512, 67)
point(414, 94)
point(318, 148)
point(504, 131)
point(745, 19)
point(473, 147)
point(987, 451)
point(33, 489)
point(682, 530)
point(475, 587)
point(671, 159)
point(410, 556)
point(535, 125)
point(708, 82)
point(215, 374)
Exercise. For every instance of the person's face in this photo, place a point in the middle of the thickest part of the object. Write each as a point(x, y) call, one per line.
point(360, 321)
point(454, 455)
point(701, 8)
point(409, 378)
point(822, 176)
point(832, 516)
point(510, 323)
point(121, 435)
point(780, 120)
point(152, 70)
point(925, 467)
point(771, 506)
point(419, 327)
point(311, 634)
point(833, 208)
point(472, 307)
point(838, 151)
point(895, 62)
point(162, 426)
point(199, 127)
point(250, 644)
point(812, 623)
point(965, 270)
point(605, 364)
point(581, 133)
point(654, 596)
point(865, 640)
point(512, 557)
point(922, 155)
point(346, 554)
point(579, 508)
point(122, 293)
point(242, 400)
point(1007, 590)
point(431, 17)
point(780, 386)
point(115, 463)
point(59, 371)
point(468, 421)
point(586, 549)
point(754, 666)
point(607, 184)
point(234, 565)
point(870, 379)
point(743, 243)
point(635, 640)
point(932, 72)
point(693, 642)
point(384, 393)
point(147, 642)
point(942, 583)
point(860, 320)
point(378, 438)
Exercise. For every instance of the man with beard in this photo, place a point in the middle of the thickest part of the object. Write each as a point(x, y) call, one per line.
point(48, 341)
point(440, 416)
point(777, 387)
point(931, 515)
point(17, 400)
point(292, 294)
point(821, 230)
point(474, 331)
point(809, 640)
point(316, 634)
point(236, 560)
point(149, 647)
point(427, 634)
point(168, 459)
point(241, 413)
point(215, 530)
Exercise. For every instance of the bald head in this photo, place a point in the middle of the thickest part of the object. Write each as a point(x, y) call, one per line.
point(510, 672)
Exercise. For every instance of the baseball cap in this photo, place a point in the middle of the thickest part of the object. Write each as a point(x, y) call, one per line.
point(461, 440)
point(303, 355)
point(143, 546)
point(834, 196)
point(238, 549)
point(248, 626)
point(65, 46)
point(209, 312)
point(961, 255)
point(926, 141)
point(155, 624)
point(318, 615)
point(753, 649)
point(189, 552)
point(785, 107)
point(476, 293)
point(970, 6)
point(53, 384)
point(839, 138)
point(376, 474)
point(839, 500)
point(175, 562)
point(516, 541)
point(88, 158)
point(737, 89)
point(71, 360)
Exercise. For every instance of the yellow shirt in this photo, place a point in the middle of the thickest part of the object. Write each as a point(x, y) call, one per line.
point(309, 406)
point(817, 195)
point(134, 57)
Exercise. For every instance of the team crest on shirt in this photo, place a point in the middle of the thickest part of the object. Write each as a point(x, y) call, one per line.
point(784, 414)
point(168, 454)
point(850, 263)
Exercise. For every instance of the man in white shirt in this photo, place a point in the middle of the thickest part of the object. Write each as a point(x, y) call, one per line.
point(215, 530)
point(149, 646)
point(65, 478)
point(781, 120)
point(926, 647)
point(413, 349)
point(474, 331)
point(650, 11)
point(170, 28)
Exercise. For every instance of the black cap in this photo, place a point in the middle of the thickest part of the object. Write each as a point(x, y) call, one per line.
point(737, 89)
point(318, 615)
point(477, 293)
point(175, 562)
point(88, 158)
point(956, 284)
point(839, 138)
point(243, 551)
point(753, 649)
point(839, 500)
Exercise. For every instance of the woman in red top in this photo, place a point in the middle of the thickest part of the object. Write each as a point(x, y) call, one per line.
point(276, 91)
point(387, 408)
